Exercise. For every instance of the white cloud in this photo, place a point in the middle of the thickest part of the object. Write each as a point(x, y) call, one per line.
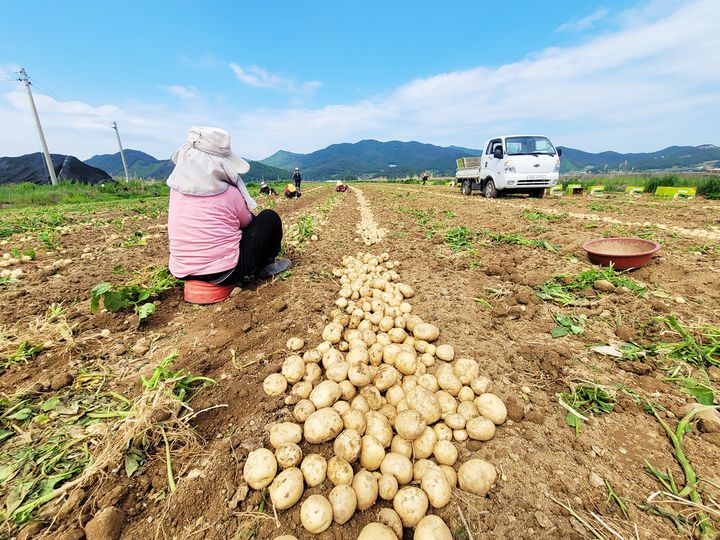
point(260, 78)
point(183, 92)
point(579, 25)
point(647, 85)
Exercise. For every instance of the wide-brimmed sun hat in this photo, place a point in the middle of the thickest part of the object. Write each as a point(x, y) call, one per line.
point(206, 165)
point(216, 142)
point(290, 188)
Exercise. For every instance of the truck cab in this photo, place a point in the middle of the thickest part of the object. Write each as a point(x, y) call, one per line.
point(511, 164)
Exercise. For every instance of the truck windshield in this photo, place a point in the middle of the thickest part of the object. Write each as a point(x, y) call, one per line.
point(515, 146)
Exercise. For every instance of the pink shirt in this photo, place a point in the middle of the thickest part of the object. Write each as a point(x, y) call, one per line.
point(205, 232)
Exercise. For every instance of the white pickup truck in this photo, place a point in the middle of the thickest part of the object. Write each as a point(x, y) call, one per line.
point(511, 164)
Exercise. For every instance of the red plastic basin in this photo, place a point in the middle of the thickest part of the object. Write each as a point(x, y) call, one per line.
point(622, 253)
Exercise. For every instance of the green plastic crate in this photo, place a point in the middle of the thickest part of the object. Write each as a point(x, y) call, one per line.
point(574, 189)
point(675, 192)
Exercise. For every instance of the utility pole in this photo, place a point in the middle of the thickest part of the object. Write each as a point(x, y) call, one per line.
point(122, 152)
point(48, 161)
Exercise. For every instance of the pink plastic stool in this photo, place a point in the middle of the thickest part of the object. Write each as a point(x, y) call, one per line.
point(201, 292)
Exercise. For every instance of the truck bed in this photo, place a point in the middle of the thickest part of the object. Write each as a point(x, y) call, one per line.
point(468, 172)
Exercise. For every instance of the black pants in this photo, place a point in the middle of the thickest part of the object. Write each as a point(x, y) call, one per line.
point(297, 184)
point(259, 245)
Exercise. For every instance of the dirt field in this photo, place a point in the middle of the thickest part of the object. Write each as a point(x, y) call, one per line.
point(476, 266)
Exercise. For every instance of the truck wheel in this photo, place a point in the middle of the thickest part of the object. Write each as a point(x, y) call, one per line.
point(466, 188)
point(489, 190)
point(538, 193)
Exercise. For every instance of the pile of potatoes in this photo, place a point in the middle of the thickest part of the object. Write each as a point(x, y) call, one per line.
point(368, 229)
point(391, 398)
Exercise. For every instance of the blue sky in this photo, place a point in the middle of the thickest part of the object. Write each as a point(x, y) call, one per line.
point(299, 76)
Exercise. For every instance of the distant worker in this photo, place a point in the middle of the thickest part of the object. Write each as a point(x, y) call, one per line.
point(291, 192)
point(425, 177)
point(297, 178)
point(340, 187)
point(266, 190)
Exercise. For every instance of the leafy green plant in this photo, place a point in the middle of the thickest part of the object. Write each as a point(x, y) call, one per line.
point(135, 239)
point(34, 469)
point(184, 386)
point(25, 351)
point(563, 289)
point(460, 238)
point(505, 238)
point(703, 392)
point(691, 492)
point(585, 399)
point(568, 324)
point(614, 497)
point(7, 280)
point(116, 298)
point(50, 240)
point(700, 345)
point(534, 215)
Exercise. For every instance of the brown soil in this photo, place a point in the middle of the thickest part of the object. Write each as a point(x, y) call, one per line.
point(241, 340)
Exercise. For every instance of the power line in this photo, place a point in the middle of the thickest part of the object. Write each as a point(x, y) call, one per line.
point(63, 102)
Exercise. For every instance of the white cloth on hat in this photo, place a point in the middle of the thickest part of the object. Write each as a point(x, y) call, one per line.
point(205, 165)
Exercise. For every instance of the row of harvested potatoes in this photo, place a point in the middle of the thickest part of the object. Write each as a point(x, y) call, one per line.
point(392, 400)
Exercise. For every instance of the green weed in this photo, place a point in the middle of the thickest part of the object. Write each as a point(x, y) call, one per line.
point(585, 399)
point(135, 239)
point(136, 294)
point(63, 425)
point(700, 345)
point(534, 215)
point(460, 238)
point(563, 289)
point(25, 351)
point(568, 324)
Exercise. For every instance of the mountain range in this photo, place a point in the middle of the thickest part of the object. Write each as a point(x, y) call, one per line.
point(673, 157)
point(364, 159)
point(31, 168)
point(372, 158)
point(142, 165)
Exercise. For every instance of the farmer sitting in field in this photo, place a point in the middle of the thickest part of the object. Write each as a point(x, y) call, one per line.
point(266, 190)
point(291, 192)
point(340, 187)
point(214, 237)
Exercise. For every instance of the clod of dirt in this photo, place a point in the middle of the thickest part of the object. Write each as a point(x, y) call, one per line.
point(114, 496)
point(635, 367)
point(657, 305)
point(536, 417)
point(624, 332)
point(596, 480)
point(72, 534)
point(543, 520)
point(30, 531)
point(106, 525)
point(74, 500)
point(61, 380)
point(141, 347)
point(515, 409)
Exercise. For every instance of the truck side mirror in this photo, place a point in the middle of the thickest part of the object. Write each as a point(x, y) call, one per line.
point(559, 150)
point(498, 152)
